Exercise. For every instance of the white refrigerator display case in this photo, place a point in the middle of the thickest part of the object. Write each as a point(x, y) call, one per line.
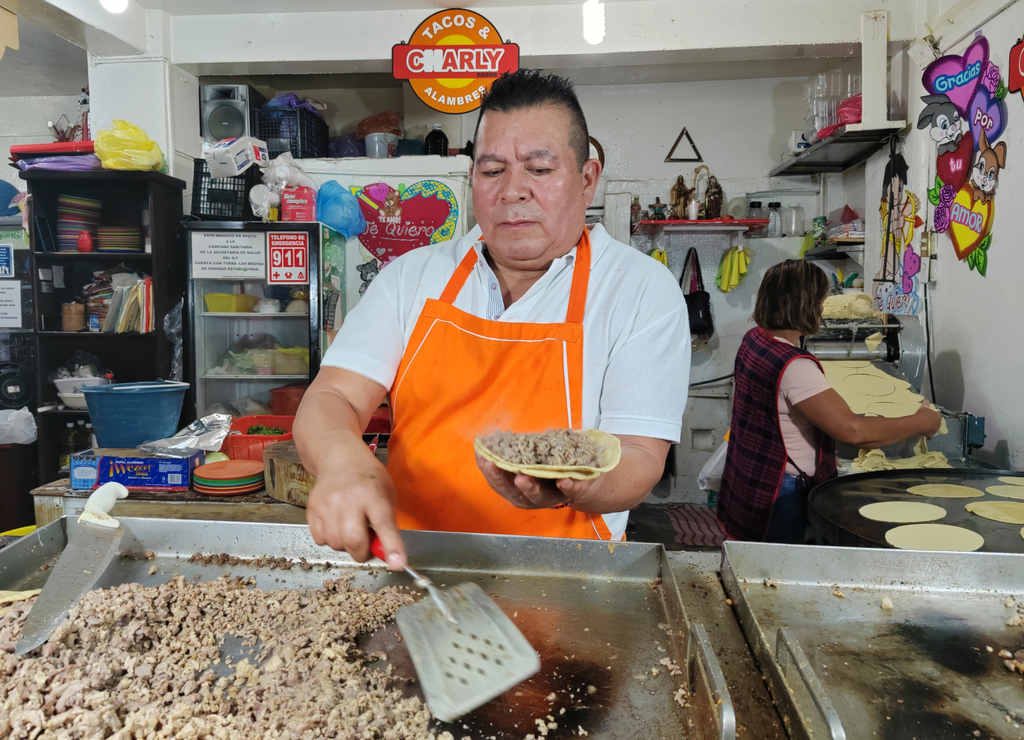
point(408, 202)
point(253, 312)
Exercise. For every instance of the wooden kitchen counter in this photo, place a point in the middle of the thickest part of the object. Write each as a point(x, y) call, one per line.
point(56, 499)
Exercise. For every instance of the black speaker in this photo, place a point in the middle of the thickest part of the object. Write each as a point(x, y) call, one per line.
point(228, 111)
point(15, 386)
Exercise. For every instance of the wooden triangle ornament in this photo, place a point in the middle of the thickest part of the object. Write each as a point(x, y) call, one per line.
point(696, 153)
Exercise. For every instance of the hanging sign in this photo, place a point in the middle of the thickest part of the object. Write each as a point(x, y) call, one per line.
point(229, 255)
point(287, 257)
point(452, 59)
point(965, 114)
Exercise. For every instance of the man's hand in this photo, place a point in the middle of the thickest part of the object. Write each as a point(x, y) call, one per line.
point(520, 490)
point(347, 502)
point(643, 459)
point(353, 491)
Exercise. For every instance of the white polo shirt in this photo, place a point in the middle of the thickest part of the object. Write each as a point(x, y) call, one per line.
point(636, 335)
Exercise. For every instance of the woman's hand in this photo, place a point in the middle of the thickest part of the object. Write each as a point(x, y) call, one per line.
point(929, 419)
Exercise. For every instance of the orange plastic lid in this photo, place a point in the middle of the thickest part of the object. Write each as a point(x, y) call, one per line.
point(229, 469)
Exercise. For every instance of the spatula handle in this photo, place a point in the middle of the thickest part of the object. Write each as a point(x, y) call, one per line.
point(377, 547)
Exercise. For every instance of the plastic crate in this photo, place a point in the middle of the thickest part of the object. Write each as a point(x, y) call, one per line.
point(222, 198)
point(302, 133)
point(242, 446)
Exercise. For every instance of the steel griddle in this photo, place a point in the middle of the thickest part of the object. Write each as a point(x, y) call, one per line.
point(834, 507)
point(847, 668)
point(601, 615)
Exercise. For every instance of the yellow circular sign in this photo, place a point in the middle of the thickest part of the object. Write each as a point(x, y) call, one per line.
point(452, 59)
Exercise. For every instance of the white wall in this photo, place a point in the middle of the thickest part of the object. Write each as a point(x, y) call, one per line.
point(23, 121)
point(976, 352)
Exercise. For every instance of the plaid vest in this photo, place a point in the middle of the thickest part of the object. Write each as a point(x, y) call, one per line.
point(755, 462)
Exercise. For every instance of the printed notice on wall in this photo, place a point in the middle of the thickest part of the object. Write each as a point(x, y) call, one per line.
point(10, 304)
point(223, 255)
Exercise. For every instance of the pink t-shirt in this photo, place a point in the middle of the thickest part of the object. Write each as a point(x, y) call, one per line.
point(801, 380)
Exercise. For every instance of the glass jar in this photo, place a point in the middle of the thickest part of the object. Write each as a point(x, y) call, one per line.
point(774, 228)
point(755, 210)
point(793, 223)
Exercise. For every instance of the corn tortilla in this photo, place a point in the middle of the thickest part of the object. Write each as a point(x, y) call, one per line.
point(609, 454)
point(939, 537)
point(1008, 512)
point(945, 490)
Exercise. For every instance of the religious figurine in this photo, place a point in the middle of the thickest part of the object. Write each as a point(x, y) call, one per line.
point(635, 211)
point(679, 197)
point(659, 210)
point(713, 198)
point(701, 175)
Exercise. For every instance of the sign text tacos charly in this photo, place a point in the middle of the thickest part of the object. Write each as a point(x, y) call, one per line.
point(452, 59)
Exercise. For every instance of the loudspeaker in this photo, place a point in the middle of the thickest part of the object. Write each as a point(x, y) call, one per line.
point(228, 111)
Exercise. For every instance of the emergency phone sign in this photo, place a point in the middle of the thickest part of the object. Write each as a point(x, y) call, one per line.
point(287, 258)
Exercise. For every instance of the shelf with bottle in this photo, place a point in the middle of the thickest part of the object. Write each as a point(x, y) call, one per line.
point(717, 224)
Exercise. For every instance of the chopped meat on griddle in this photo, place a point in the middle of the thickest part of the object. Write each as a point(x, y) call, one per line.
point(134, 662)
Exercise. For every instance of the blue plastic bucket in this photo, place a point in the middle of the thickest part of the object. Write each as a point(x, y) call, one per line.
point(128, 414)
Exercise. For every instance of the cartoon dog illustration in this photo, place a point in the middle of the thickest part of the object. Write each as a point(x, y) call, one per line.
point(985, 171)
point(945, 124)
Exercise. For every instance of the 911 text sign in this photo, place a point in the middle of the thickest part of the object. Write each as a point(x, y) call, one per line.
point(287, 257)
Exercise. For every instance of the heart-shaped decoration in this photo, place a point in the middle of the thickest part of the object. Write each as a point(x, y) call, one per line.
point(988, 113)
point(970, 221)
point(426, 212)
point(954, 167)
point(957, 76)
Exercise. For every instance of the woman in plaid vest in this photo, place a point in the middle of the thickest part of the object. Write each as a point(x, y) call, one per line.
point(786, 416)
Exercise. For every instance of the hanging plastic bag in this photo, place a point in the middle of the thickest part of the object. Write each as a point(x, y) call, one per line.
point(125, 146)
point(17, 427)
point(338, 209)
point(710, 476)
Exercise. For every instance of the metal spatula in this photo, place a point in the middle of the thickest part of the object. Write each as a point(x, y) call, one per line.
point(465, 650)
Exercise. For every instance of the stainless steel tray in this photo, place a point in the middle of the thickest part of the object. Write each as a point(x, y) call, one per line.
point(600, 614)
point(844, 667)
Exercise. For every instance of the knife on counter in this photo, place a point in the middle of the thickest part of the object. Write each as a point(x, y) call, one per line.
point(93, 543)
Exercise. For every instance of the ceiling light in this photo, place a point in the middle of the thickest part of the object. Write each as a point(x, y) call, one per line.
point(593, 22)
point(114, 6)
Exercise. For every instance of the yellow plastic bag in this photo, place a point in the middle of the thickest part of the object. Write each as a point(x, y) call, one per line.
point(127, 147)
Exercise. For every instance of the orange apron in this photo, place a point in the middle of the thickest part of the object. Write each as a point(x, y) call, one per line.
point(462, 376)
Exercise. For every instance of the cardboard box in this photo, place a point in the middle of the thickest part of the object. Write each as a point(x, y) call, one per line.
point(298, 204)
point(232, 157)
point(137, 470)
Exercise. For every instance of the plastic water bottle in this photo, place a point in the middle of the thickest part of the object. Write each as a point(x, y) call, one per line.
point(436, 141)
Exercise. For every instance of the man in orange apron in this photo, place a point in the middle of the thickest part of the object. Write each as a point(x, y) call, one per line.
point(530, 322)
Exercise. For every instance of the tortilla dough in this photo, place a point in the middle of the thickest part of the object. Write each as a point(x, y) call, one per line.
point(942, 537)
point(870, 460)
point(874, 341)
point(1012, 480)
point(945, 490)
point(902, 512)
point(1007, 491)
point(850, 306)
point(868, 384)
point(1008, 512)
point(867, 389)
